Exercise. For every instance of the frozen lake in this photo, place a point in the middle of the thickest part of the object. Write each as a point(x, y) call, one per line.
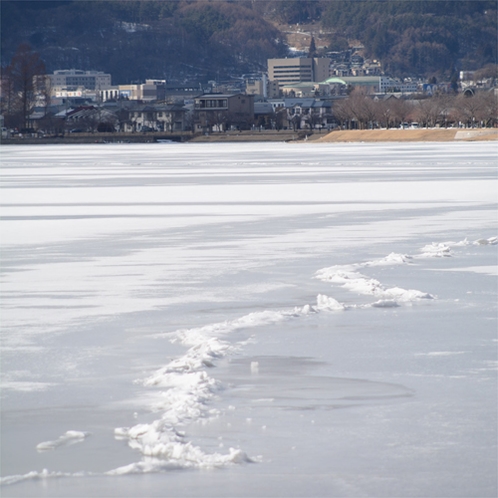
point(249, 320)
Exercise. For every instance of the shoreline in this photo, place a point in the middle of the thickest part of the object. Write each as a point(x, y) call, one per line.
point(301, 136)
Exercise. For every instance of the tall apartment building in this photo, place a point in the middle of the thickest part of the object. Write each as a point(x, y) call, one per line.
point(72, 79)
point(298, 70)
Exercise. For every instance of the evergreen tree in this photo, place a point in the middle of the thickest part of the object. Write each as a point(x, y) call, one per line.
point(312, 49)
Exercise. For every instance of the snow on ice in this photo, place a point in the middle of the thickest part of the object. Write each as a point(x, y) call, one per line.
point(208, 307)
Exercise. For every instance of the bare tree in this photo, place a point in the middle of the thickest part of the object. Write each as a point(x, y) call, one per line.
point(430, 111)
point(490, 108)
point(26, 76)
point(401, 111)
point(470, 110)
point(384, 113)
point(444, 104)
point(343, 113)
point(362, 108)
point(217, 121)
point(317, 120)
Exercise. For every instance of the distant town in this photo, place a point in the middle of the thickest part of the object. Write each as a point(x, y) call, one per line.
point(342, 91)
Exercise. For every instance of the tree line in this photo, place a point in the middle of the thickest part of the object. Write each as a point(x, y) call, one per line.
point(467, 110)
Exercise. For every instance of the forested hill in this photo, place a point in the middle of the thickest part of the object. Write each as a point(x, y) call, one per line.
point(423, 37)
point(182, 39)
point(133, 40)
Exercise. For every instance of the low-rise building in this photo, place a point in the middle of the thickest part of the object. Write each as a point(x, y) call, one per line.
point(380, 84)
point(308, 113)
point(165, 117)
point(298, 113)
point(307, 90)
point(220, 112)
point(263, 87)
point(88, 118)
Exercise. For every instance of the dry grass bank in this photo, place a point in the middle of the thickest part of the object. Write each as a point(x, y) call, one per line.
point(248, 136)
point(420, 135)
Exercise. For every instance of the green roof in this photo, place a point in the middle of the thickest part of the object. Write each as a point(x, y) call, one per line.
point(362, 80)
point(335, 80)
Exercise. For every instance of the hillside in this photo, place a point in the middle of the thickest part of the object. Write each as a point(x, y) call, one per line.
point(202, 40)
point(133, 40)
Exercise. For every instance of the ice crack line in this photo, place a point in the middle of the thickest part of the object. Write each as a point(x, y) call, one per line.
point(189, 388)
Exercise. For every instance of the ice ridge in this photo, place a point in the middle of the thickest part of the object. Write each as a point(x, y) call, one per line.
point(186, 388)
point(356, 282)
point(443, 249)
point(68, 438)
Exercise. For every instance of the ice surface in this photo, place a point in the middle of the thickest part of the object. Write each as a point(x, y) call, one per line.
point(231, 320)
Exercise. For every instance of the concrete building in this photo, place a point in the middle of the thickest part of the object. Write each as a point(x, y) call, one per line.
point(298, 70)
point(264, 87)
point(146, 92)
point(272, 89)
point(74, 79)
point(182, 91)
point(111, 93)
point(310, 90)
point(378, 84)
point(256, 87)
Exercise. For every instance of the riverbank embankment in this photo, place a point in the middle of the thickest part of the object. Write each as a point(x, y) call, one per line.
point(231, 136)
point(416, 135)
point(385, 135)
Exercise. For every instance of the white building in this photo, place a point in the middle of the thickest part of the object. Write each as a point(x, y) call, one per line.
point(74, 79)
point(380, 84)
point(147, 92)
